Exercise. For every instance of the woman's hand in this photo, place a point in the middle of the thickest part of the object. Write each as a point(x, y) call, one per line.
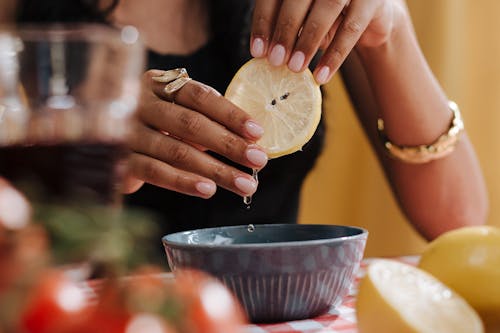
point(292, 31)
point(170, 141)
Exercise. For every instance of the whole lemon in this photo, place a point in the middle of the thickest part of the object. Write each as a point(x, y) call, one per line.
point(468, 261)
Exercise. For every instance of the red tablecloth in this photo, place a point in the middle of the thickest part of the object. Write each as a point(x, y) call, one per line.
point(339, 320)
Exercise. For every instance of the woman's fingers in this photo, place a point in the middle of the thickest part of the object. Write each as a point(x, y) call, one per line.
point(264, 16)
point(299, 28)
point(194, 127)
point(176, 165)
point(153, 171)
point(288, 23)
point(356, 19)
point(199, 128)
point(317, 27)
point(206, 100)
point(175, 128)
point(131, 183)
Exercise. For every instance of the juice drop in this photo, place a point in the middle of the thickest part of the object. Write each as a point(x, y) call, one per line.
point(247, 200)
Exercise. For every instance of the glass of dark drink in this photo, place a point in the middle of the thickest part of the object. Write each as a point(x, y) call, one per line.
point(67, 97)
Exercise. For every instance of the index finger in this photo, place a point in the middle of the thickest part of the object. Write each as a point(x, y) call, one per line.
point(206, 100)
point(263, 19)
point(351, 28)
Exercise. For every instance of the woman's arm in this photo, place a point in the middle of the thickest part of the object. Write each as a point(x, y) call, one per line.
point(394, 82)
point(388, 77)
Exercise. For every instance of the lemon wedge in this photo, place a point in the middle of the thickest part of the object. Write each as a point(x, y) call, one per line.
point(468, 261)
point(396, 297)
point(286, 104)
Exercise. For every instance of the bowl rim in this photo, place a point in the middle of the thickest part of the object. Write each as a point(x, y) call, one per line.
point(363, 234)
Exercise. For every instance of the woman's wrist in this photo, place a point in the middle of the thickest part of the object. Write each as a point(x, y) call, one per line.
point(401, 25)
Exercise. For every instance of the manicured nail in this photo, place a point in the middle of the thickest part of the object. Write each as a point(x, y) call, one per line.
point(245, 185)
point(257, 48)
point(15, 211)
point(205, 188)
point(254, 129)
point(297, 61)
point(277, 55)
point(323, 75)
point(256, 157)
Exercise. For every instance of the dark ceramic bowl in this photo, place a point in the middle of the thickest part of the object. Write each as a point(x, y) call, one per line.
point(279, 272)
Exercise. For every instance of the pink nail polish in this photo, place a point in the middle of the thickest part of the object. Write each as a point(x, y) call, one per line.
point(254, 129)
point(206, 188)
point(323, 75)
point(256, 157)
point(245, 185)
point(297, 61)
point(257, 49)
point(277, 55)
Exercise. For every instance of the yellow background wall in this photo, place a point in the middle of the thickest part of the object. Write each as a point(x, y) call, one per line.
point(461, 39)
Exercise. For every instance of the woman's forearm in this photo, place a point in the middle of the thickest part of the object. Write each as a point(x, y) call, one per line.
point(403, 84)
point(435, 196)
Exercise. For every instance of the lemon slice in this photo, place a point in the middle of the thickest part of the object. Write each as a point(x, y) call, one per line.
point(286, 104)
point(395, 297)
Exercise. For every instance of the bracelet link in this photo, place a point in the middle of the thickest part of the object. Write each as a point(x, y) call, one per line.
point(442, 147)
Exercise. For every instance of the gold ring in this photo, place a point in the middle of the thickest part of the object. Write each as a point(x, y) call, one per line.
point(175, 79)
point(171, 75)
point(174, 86)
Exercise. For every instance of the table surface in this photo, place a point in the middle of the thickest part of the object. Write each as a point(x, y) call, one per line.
point(337, 320)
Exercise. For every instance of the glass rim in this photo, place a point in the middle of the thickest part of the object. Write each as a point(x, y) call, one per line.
point(87, 32)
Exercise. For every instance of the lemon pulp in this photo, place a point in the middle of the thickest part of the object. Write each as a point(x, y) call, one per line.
point(286, 104)
point(396, 297)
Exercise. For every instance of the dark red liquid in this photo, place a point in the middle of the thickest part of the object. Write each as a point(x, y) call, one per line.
point(79, 172)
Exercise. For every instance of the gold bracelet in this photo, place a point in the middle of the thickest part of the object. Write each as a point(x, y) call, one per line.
point(442, 147)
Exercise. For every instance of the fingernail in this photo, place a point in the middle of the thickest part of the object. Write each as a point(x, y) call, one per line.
point(297, 61)
point(14, 209)
point(277, 55)
point(205, 188)
point(245, 185)
point(257, 48)
point(256, 157)
point(254, 129)
point(323, 74)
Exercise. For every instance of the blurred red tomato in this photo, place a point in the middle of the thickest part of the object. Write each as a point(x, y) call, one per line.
point(110, 314)
point(209, 305)
point(129, 306)
point(54, 305)
point(23, 254)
